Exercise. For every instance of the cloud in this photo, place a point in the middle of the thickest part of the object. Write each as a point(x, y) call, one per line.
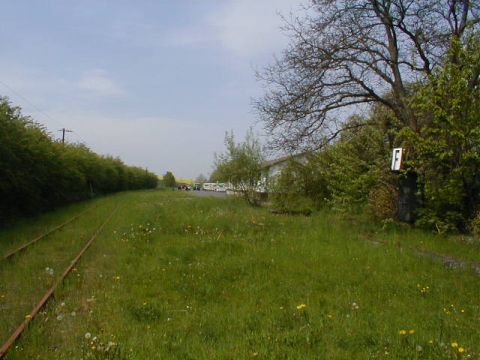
point(245, 28)
point(251, 27)
point(97, 82)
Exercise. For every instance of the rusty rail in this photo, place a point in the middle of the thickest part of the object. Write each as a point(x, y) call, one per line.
point(16, 334)
point(31, 242)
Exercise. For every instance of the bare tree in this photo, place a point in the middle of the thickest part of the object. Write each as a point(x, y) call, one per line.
point(201, 179)
point(351, 53)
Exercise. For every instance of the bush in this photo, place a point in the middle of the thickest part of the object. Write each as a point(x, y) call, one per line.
point(475, 226)
point(290, 203)
point(383, 201)
point(290, 190)
point(169, 180)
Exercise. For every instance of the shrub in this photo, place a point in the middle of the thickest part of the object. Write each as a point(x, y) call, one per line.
point(290, 190)
point(475, 226)
point(383, 201)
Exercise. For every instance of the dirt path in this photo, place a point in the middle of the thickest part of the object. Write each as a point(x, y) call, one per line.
point(447, 260)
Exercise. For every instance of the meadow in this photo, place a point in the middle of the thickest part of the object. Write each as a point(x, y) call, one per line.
point(174, 276)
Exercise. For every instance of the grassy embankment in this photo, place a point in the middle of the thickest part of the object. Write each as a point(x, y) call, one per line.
point(191, 278)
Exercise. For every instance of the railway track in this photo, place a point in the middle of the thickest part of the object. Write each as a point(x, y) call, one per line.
point(16, 251)
point(48, 294)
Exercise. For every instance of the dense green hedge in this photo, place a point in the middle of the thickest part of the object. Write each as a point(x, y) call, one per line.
point(38, 173)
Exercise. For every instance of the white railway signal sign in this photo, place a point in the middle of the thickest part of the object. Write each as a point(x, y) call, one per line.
point(397, 159)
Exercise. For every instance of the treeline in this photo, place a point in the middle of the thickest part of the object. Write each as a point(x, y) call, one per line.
point(38, 173)
point(342, 162)
point(410, 70)
point(441, 169)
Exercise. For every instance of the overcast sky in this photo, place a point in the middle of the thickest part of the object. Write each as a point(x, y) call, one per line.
point(156, 83)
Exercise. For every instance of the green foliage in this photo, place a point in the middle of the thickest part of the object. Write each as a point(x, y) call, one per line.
point(383, 200)
point(169, 180)
point(37, 173)
point(342, 175)
point(291, 189)
point(475, 226)
point(240, 165)
point(445, 152)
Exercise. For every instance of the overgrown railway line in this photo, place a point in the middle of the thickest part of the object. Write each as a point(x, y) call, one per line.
point(48, 294)
point(23, 247)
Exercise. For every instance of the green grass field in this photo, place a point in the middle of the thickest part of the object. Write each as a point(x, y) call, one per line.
point(178, 277)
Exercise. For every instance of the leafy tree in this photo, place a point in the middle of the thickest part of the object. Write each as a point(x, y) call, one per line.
point(215, 176)
point(446, 150)
point(240, 165)
point(169, 180)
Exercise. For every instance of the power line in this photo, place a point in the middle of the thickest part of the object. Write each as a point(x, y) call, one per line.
point(41, 112)
point(30, 103)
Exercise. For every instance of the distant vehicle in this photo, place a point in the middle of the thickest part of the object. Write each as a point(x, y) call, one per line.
point(197, 186)
point(209, 186)
point(220, 187)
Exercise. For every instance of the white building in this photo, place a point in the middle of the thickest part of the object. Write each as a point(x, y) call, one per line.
point(272, 168)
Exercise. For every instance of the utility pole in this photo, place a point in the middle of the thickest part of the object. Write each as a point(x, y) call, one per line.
point(63, 130)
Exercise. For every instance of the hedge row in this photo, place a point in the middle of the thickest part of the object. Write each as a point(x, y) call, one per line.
point(38, 173)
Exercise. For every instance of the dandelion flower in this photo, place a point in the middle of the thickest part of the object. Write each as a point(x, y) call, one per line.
point(411, 331)
point(461, 349)
point(454, 344)
point(301, 306)
point(88, 335)
point(403, 332)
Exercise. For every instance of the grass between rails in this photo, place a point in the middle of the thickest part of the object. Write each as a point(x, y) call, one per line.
point(195, 278)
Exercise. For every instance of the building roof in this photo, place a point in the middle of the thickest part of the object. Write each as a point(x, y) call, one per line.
point(269, 163)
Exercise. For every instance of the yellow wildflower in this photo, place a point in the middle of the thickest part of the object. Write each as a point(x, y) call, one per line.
point(301, 306)
point(411, 331)
point(403, 332)
point(461, 349)
point(454, 344)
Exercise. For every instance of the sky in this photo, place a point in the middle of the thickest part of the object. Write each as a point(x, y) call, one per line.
point(157, 83)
